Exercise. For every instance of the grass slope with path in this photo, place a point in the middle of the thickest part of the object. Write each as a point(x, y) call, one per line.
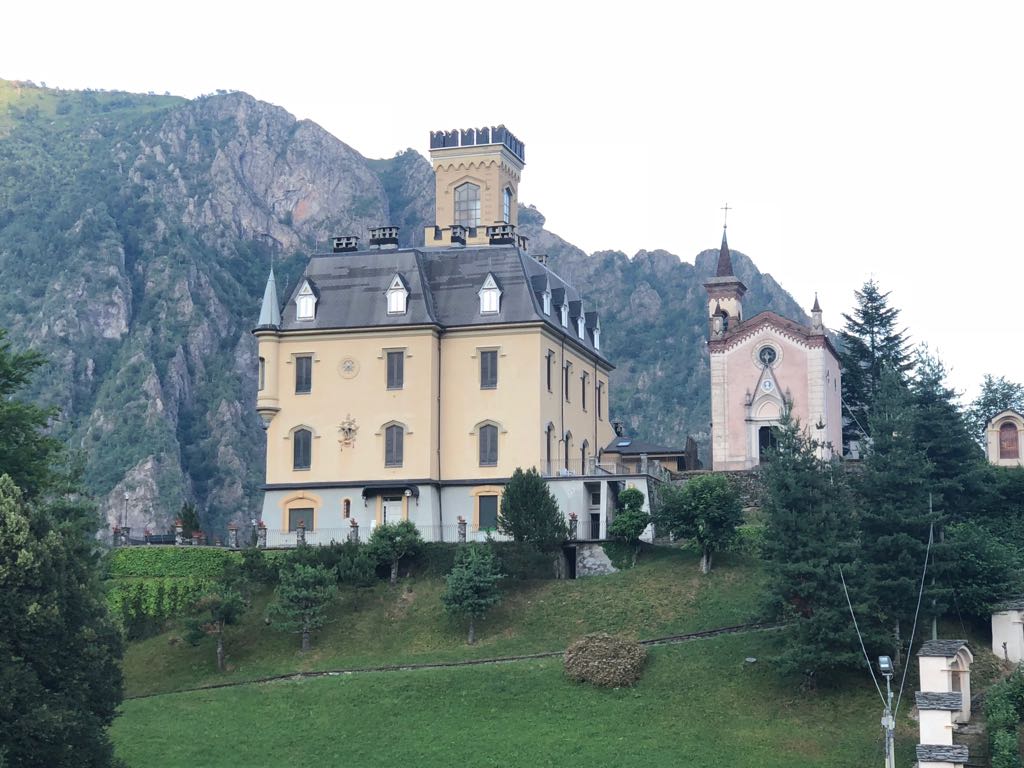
point(698, 704)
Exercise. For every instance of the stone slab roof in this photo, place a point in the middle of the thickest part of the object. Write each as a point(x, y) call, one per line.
point(943, 648)
point(443, 286)
point(942, 753)
point(1014, 604)
point(952, 701)
point(636, 447)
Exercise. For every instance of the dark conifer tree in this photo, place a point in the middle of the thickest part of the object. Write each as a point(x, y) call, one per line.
point(895, 520)
point(870, 342)
point(809, 534)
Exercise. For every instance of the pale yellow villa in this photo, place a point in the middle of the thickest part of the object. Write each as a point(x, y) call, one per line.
point(409, 383)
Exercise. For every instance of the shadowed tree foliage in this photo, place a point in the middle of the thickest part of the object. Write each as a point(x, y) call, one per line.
point(471, 588)
point(390, 542)
point(630, 519)
point(869, 343)
point(530, 513)
point(707, 510)
point(27, 455)
point(809, 535)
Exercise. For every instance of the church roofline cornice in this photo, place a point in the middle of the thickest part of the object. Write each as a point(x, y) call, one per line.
point(789, 329)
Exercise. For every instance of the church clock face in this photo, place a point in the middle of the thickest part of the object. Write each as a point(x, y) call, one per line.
point(767, 355)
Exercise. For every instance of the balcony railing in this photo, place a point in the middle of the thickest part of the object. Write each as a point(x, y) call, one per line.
point(593, 468)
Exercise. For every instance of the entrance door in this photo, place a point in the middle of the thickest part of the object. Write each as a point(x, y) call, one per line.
point(765, 439)
point(595, 525)
point(392, 510)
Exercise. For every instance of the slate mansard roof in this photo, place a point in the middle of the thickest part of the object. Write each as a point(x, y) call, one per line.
point(443, 284)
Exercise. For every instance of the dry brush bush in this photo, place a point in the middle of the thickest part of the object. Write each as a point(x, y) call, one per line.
point(609, 661)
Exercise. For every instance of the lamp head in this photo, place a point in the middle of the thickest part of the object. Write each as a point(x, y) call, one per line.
point(885, 665)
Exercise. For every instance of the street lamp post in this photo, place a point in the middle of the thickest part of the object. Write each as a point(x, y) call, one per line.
point(888, 721)
point(124, 517)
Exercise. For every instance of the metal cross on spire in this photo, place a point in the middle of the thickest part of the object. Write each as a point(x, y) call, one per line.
point(725, 218)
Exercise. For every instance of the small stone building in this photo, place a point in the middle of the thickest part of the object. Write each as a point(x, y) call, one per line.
point(1008, 631)
point(943, 701)
point(1004, 439)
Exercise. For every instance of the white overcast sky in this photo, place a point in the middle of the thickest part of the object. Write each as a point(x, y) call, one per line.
point(853, 140)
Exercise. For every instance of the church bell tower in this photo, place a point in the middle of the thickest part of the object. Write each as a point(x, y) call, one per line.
point(725, 295)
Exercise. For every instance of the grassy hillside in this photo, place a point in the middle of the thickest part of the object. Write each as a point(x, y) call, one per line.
point(698, 704)
point(663, 595)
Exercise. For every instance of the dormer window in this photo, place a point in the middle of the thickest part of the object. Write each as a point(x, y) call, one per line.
point(398, 296)
point(564, 309)
point(506, 205)
point(546, 300)
point(597, 337)
point(467, 205)
point(580, 328)
point(490, 297)
point(305, 302)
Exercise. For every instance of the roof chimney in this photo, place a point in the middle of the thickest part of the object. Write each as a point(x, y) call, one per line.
point(345, 244)
point(384, 238)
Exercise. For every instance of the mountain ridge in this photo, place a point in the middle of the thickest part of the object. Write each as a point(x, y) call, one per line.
point(140, 229)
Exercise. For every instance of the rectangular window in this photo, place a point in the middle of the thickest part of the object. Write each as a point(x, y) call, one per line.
point(551, 359)
point(302, 449)
point(488, 514)
point(600, 390)
point(489, 369)
point(583, 391)
point(303, 374)
point(262, 375)
point(305, 514)
point(396, 369)
point(568, 369)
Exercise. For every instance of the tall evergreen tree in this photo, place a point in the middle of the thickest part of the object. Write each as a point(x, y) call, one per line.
point(808, 536)
point(870, 342)
point(529, 512)
point(471, 589)
point(896, 519)
point(941, 431)
point(997, 394)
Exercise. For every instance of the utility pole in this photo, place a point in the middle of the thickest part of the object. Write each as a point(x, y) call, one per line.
point(888, 721)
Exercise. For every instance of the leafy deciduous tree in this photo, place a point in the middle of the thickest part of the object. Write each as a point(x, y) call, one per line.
point(390, 542)
point(471, 588)
point(630, 519)
point(530, 513)
point(707, 509)
point(212, 612)
point(301, 601)
point(997, 394)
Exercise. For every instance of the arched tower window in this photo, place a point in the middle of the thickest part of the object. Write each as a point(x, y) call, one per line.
point(549, 438)
point(1009, 445)
point(506, 205)
point(467, 205)
point(394, 445)
point(568, 446)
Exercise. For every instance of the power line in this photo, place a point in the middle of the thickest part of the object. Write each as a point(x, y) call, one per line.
point(860, 637)
point(920, 594)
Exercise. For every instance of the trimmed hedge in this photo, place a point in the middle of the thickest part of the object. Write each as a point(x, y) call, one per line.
point(609, 661)
point(142, 604)
point(157, 562)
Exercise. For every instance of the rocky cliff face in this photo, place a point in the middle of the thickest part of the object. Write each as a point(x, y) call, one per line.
point(138, 231)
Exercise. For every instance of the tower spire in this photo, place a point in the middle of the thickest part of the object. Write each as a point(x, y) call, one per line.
point(724, 258)
point(270, 310)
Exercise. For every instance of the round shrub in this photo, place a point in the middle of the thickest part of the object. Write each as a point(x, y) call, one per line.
point(610, 661)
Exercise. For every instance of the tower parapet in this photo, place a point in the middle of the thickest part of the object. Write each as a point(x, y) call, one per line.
point(470, 137)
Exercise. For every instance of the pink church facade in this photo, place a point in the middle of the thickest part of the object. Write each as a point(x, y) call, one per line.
point(762, 366)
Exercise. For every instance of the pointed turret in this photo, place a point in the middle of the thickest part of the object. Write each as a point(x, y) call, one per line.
point(724, 259)
point(270, 311)
point(816, 324)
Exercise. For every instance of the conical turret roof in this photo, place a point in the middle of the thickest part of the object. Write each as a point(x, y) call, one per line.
point(270, 311)
point(724, 259)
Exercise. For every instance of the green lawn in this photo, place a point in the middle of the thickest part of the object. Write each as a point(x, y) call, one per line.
point(698, 704)
point(663, 595)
